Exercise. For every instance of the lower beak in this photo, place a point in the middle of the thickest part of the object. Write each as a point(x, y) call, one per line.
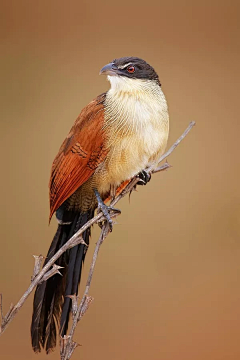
point(109, 69)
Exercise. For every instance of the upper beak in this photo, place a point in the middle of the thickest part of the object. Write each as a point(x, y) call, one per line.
point(109, 69)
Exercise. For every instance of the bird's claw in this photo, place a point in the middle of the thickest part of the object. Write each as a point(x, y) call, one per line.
point(106, 210)
point(144, 178)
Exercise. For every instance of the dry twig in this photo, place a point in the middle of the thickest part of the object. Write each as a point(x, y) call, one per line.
point(67, 345)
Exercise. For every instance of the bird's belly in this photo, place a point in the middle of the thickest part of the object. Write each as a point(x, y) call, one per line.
point(130, 155)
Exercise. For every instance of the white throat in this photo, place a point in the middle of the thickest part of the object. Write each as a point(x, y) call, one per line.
point(130, 86)
point(133, 103)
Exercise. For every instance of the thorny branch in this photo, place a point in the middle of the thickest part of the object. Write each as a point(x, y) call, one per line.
point(67, 345)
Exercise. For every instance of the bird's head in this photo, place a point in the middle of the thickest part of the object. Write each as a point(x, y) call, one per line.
point(127, 70)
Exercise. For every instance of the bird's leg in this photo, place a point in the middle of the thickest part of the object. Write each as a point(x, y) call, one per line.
point(106, 209)
point(144, 178)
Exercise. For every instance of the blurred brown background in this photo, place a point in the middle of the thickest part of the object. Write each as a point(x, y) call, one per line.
point(167, 282)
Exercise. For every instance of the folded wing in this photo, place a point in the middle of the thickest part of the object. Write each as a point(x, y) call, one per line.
point(80, 154)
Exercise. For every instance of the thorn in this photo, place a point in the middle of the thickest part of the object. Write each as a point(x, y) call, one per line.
point(163, 167)
point(37, 265)
point(82, 241)
point(73, 345)
point(52, 272)
point(77, 241)
point(167, 164)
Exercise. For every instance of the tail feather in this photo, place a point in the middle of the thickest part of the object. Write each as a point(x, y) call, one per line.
point(51, 307)
point(76, 260)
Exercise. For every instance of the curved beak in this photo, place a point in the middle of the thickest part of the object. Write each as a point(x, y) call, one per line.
point(109, 69)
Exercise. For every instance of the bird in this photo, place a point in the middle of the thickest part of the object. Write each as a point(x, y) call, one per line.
point(116, 136)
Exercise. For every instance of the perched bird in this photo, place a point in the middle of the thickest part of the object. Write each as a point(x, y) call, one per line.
point(115, 137)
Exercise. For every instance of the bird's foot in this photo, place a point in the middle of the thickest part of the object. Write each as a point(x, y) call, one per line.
point(144, 178)
point(106, 210)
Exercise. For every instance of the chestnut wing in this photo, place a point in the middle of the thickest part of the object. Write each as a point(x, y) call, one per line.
point(80, 154)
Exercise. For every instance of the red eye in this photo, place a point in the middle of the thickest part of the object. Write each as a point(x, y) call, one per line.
point(131, 69)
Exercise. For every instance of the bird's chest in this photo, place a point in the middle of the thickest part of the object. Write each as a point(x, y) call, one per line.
point(138, 135)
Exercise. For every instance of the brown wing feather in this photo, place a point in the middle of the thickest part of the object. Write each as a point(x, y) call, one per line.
point(80, 154)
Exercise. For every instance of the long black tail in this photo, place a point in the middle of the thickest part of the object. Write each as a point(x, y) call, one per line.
point(51, 307)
